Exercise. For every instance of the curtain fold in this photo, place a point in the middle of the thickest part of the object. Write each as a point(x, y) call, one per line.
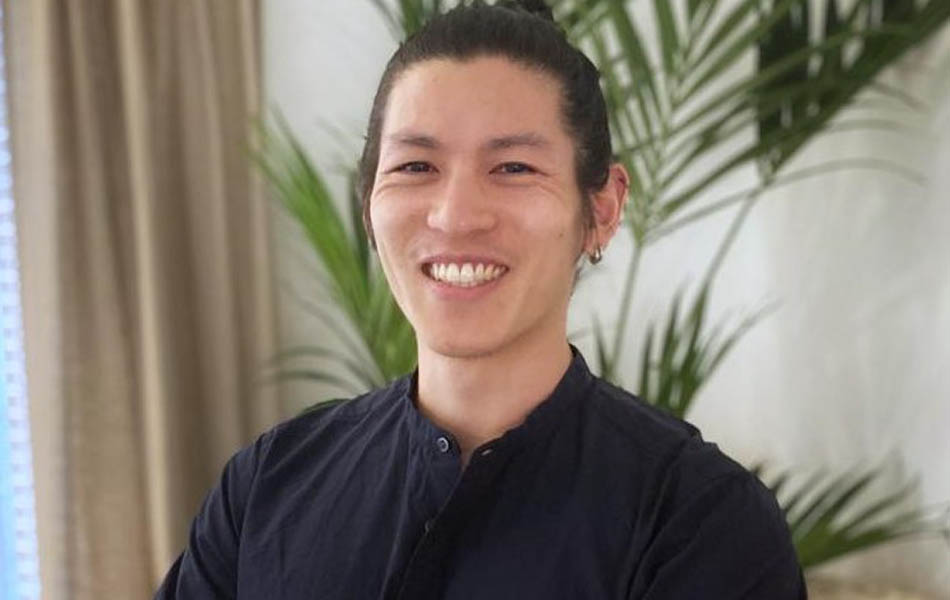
point(147, 284)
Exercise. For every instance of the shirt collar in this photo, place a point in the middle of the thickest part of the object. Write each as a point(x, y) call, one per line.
point(574, 384)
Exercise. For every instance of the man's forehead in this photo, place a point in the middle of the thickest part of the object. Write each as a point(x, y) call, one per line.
point(434, 90)
point(488, 103)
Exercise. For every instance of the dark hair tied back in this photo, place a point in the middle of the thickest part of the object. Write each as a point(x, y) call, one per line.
point(535, 7)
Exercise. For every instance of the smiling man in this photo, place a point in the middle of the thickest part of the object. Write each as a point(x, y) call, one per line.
point(477, 216)
point(501, 468)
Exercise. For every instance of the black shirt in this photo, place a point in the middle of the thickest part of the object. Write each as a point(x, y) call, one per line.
point(595, 495)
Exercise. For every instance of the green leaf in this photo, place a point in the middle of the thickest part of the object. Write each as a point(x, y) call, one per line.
point(697, 7)
point(392, 20)
point(825, 168)
point(842, 515)
point(729, 25)
point(728, 56)
point(645, 389)
point(361, 241)
point(356, 350)
point(411, 15)
point(636, 63)
point(669, 36)
point(357, 283)
point(602, 359)
point(673, 371)
point(580, 20)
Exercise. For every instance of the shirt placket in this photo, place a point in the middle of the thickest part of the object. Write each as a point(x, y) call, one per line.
point(424, 575)
point(444, 475)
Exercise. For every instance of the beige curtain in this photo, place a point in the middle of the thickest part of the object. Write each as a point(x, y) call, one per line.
point(146, 278)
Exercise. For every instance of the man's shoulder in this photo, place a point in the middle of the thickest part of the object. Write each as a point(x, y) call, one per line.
point(656, 441)
point(350, 409)
point(329, 421)
point(635, 418)
point(702, 525)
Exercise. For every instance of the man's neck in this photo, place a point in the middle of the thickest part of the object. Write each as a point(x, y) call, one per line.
point(478, 399)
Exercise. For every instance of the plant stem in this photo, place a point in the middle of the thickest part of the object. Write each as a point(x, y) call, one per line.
point(730, 237)
point(628, 286)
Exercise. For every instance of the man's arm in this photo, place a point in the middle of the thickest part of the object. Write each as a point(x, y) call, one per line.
point(730, 541)
point(208, 566)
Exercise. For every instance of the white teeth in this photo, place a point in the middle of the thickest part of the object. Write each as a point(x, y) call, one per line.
point(452, 273)
point(466, 274)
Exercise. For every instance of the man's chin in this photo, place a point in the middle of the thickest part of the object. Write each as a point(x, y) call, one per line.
point(461, 347)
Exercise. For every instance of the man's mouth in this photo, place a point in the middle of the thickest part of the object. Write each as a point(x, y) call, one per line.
point(464, 274)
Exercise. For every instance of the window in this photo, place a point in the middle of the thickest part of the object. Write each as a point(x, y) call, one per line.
point(19, 567)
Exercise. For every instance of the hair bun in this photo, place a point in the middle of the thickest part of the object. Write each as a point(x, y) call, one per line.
point(539, 8)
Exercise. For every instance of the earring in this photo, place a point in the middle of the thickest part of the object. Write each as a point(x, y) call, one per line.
point(596, 256)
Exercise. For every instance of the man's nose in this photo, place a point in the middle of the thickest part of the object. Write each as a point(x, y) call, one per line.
point(461, 206)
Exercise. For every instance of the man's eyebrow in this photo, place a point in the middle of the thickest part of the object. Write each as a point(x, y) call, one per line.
point(420, 140)
point(533, 140)
point(416, 140)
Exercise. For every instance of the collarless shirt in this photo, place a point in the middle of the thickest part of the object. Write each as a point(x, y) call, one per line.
point(595, 495)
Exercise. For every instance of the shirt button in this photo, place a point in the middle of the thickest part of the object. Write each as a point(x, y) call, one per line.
point(443, 444)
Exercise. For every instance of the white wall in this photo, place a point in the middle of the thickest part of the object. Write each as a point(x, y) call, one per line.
point(321, 63)
point(854, 365)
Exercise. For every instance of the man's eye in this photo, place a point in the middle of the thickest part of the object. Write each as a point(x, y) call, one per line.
point(514, 168)
point(414, 167)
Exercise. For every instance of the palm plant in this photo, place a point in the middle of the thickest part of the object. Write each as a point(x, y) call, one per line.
point(385, 344)
point(680, 115)
point(682, 107)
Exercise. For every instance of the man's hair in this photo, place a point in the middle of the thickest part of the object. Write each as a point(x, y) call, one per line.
point(524, 32)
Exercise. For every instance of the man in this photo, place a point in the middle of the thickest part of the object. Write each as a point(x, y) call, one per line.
point(501, 468)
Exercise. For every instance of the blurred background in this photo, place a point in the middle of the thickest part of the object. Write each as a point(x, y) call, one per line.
point(176, 197)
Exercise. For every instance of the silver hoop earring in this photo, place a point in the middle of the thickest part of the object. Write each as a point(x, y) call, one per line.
point(596, 256)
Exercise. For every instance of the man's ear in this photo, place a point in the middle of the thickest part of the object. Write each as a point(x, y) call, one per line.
point(607, 205)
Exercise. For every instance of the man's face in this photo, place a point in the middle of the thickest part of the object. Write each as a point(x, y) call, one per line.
point(475, 206)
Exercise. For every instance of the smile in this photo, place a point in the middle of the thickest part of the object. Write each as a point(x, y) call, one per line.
point(464, 274)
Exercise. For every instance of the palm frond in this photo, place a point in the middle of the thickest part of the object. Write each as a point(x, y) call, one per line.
point(676, 363)
point(831, 516)
point(798, 175)
point(408, 16)
point(357, 283)
point(898, 24)
point(602, 362)
point(807, 71)
point(682, 105)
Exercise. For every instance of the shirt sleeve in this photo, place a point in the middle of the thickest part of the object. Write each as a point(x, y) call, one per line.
point(207, 568)
point(730, 541)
